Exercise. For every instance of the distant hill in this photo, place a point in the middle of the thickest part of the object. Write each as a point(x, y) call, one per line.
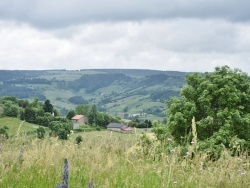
point(123, 92)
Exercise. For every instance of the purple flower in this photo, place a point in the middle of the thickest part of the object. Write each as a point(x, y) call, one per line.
point(65, 175)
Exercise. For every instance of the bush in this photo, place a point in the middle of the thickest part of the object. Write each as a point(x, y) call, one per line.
point(3, 133)
point(40, 132)
point(79, 139)
point(10, 109)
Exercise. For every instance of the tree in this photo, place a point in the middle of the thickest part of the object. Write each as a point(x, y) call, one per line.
point(35, 103)
point(92, 117)
point(220, 103)
point(125, 109)
point(23, 103)
point(103, 119)
point(9, 98)
point(30, 114)
point(70, 114)
point(60, 129)
point(82, 109)
point(10, 109)
point(47, 106)
point(45, 119)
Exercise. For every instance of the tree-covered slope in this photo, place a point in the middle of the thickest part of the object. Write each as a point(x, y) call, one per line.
point(113, 90)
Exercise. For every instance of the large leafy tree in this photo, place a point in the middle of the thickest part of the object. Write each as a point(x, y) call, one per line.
point(82, 109)
point(220, 103)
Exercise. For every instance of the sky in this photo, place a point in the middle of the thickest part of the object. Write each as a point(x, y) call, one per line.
point(179, 35)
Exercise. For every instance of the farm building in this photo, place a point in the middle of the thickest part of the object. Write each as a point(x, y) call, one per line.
point(119, 127)
point(79, 119)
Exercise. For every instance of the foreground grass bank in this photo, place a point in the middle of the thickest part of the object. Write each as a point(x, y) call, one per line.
point(108, 159)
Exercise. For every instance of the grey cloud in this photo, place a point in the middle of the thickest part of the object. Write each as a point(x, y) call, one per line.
point(181, 44)
point(47, 13)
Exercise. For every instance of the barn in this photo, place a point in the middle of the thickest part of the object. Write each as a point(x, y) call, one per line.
point(119, 128)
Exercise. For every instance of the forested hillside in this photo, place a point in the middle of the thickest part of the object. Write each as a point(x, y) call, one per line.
point(124, 92)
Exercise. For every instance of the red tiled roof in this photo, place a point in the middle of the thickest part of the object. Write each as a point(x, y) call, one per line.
point(77, 117)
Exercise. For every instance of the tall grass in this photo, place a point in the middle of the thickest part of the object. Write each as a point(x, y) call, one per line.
point(112, 163)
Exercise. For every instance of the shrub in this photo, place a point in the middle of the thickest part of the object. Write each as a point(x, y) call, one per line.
point(79, 139)
point(40, 132)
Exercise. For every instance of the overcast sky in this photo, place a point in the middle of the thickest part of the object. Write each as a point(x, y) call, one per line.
point(181, 35)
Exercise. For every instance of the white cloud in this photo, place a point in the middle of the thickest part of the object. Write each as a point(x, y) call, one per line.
point(179, 44)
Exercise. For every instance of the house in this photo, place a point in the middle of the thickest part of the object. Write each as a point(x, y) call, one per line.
point(119, 127)
point(78, 119)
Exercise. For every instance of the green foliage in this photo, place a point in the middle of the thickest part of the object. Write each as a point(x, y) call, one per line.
point(82, 109)
point(10, 109)
point(45, 119)
point(92, 117)
point(140, 124)
point(23, 103)
point(3, 133)
point(29, 115)
point(40, 132)
point(70, 114)
point(103, 119)
point(9, 98)
point(79, 139)
point(47, 106)
point(35, 103)
point(60, 129)
point(220, 102)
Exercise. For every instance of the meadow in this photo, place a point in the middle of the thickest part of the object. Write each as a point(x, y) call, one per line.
point(113, 160)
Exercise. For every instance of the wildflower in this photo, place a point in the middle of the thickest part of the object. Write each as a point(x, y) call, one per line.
point(65, 175)
point(242, 172)
point(172, 150)
point(65, 172)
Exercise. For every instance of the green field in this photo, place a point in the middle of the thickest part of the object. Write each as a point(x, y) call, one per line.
point(112, 160)
point(17, 127)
